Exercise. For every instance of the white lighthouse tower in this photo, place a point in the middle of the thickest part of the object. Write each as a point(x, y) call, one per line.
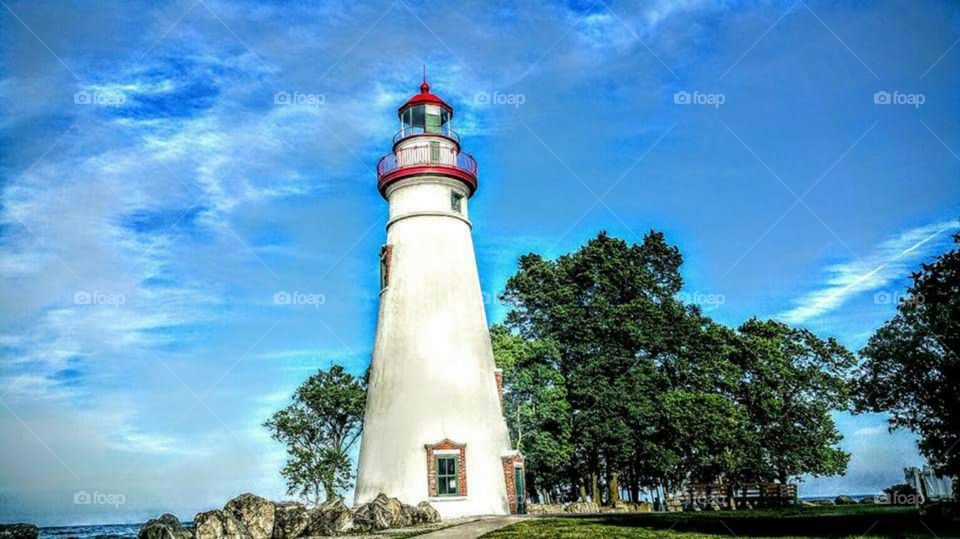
point(434, 428)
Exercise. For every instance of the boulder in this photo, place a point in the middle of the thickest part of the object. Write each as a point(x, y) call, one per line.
point(290, 520)
point(544, 508)
point(843, 499)
point(166, 526)
point(333, 517)
point(255, 513)
point(582, 507)
point(627, 507)
point(379, 514)
point(219, 525)
point(426, 514)
point(618, 507)
point(19, 531)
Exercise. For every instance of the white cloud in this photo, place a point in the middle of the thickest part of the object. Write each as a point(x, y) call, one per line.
point(885, 266)
point(871, 431)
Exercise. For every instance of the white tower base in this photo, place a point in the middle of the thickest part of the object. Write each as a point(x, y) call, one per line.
point(432, 390)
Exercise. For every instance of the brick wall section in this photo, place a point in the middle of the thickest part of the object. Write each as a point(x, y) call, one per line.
point(498, 374)
point(432, 465)
point(509, 478)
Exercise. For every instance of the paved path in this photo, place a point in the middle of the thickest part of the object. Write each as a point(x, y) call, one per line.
point(474, 529)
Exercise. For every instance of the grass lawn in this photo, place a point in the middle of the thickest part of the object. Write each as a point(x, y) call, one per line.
point(839, 521)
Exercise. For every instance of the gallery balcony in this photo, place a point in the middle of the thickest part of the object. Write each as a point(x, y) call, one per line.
point(426, 160)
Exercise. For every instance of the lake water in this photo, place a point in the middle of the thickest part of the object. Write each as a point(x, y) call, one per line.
point(90, 532)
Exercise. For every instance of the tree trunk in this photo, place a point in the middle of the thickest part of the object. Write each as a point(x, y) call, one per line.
point(634, 486)
point(583, 492)
point(613, 485)
point(595, 487)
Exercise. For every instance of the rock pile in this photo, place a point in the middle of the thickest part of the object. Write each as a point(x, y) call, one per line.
point(251, 517)
point(165, 526)
point(587, 507)
point(19, 531)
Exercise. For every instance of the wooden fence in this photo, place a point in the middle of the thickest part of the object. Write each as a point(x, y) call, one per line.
point(746, 495)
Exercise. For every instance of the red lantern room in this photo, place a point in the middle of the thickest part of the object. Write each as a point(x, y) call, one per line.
point(426, 145)
point(425, 113)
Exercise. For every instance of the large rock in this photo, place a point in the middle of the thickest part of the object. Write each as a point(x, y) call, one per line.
point(165, 526)
point(426, 514)
point(19, 531)
point(290, 520)
point(333, 517)
point(544, 508)
point(255, 513)
point(582, 507)
point(379, 514)
point(219, 525)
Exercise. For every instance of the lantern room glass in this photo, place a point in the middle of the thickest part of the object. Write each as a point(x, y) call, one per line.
point(428, 119)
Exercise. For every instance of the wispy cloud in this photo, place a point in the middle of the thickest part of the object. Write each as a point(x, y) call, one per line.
point(885, 266)
point(871, 431)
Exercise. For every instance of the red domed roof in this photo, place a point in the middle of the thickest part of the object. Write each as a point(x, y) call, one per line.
point(425, 98)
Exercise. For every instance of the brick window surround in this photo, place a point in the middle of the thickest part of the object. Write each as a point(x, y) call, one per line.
point(386, 256)
point(511, 462)
point(446, 447)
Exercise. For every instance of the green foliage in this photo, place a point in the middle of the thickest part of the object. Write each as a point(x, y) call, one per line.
point(319, 428)
point(911, 369)
point(792, 379)
point(536, 407)
point(657, 393)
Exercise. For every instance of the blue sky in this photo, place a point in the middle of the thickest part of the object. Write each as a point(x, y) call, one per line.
point(155, 198)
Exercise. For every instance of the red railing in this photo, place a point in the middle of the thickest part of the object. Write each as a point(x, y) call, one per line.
point(424, 155)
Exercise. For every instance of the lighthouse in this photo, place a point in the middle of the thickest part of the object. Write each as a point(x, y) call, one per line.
point(434, 427)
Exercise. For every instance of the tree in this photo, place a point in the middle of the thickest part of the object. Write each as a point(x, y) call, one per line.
point(609, 309)
point(660, 395)
point(535, 405)
point(791, 381)
point(319, 428)
point(911, 369)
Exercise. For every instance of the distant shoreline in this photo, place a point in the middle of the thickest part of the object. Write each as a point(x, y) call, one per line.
point(130, 530)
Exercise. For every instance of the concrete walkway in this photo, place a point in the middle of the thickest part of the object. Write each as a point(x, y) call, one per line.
point(474, 529)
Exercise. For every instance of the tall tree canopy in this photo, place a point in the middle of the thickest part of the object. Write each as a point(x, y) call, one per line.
point(607, 309)
point(791, 381)
point(911, 369)
point(658, 394)
point(319, 428)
